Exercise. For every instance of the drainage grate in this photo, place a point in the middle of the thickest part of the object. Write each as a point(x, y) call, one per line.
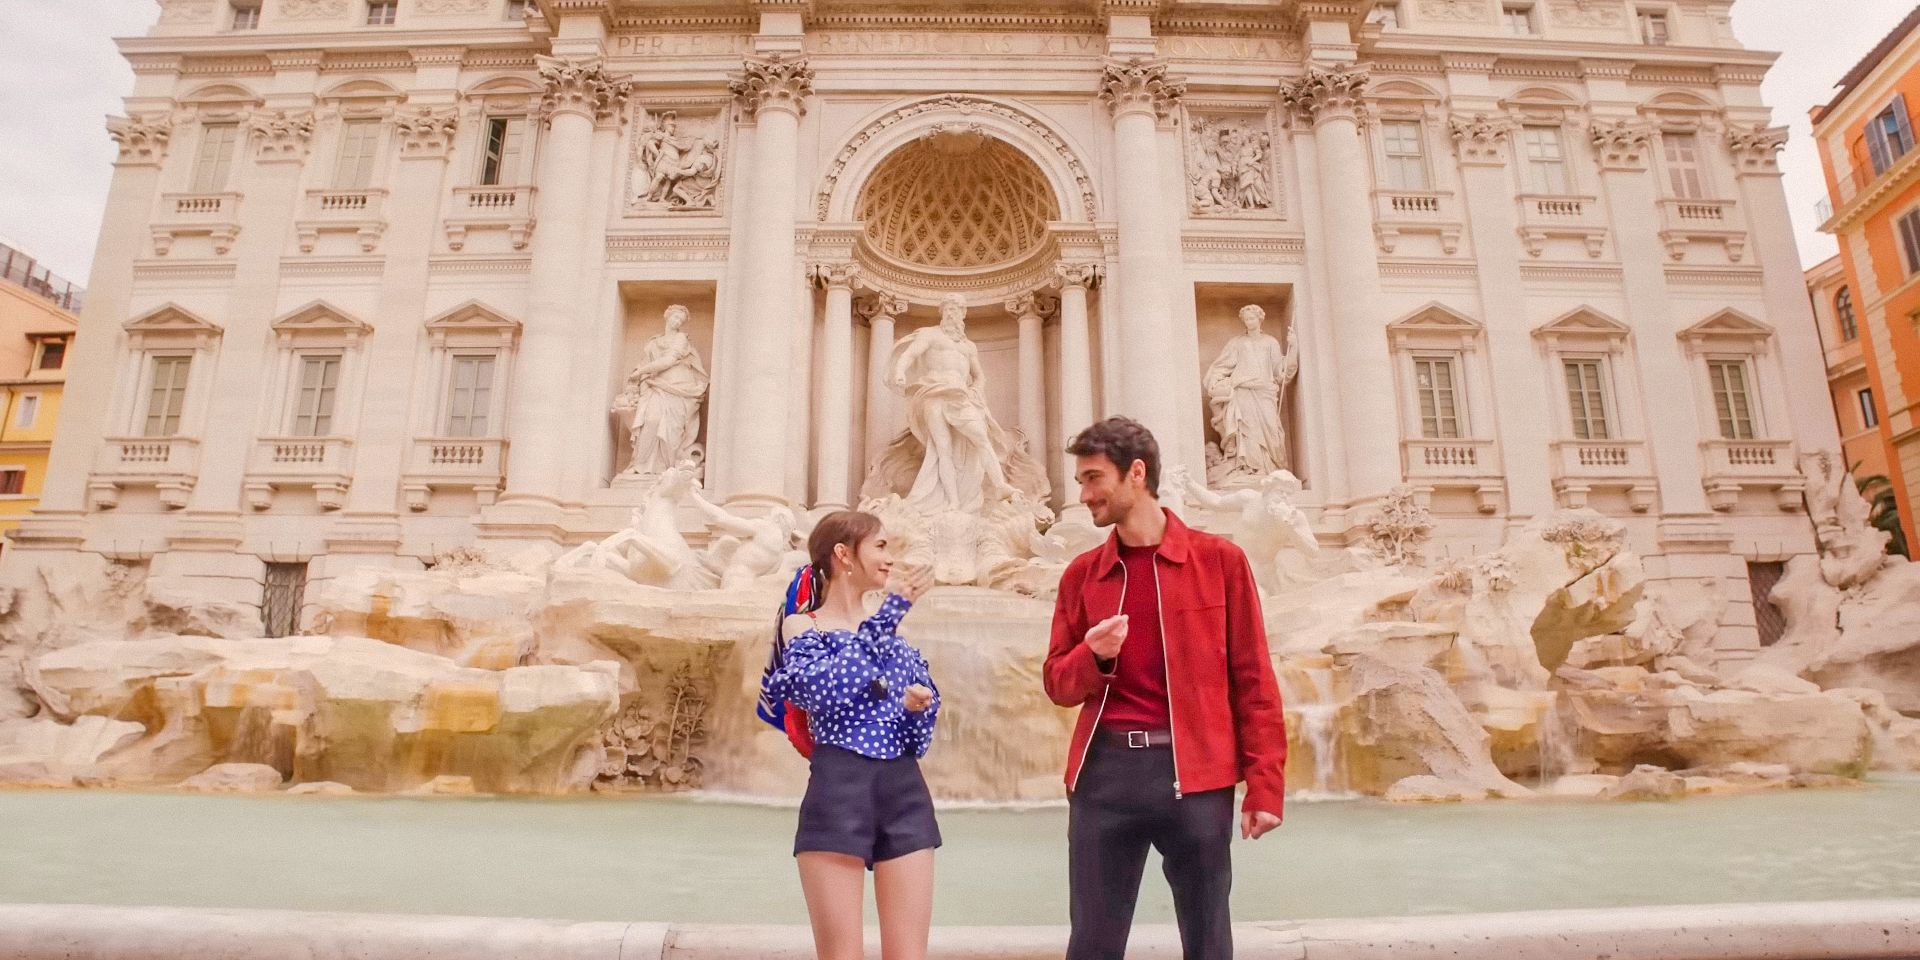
point(1762, 576)
point(280, 603)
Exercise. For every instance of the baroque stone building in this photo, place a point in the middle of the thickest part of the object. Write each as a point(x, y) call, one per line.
point(381, 279)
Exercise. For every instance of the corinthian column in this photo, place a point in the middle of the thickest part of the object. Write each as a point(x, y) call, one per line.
point(579, 92)
point(1076, 357)
point(772, 91)
point(1028, 310)
point(1140, 94)
point(836, 383)
point(1328, 99)
point(879, 311)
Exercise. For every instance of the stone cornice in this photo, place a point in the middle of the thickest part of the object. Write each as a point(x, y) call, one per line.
point(773, 83)
point(307, 59)
point(1139, 84)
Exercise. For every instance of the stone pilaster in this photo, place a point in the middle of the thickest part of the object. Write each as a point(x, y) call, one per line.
point(831, 477)
point(1028, 311)
point(1076, 357)
point(881, 420)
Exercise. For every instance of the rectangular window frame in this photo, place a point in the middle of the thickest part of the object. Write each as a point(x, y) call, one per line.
point(13, 481)
point(1656, 27)
point(1433, 425)
point(1406, 158)
point(382, 13)
point(1736, 412)
point(357, 153)
point(503, 161)
point(312, 408)
point(27, 411)
point(1889, 134)
point(1520, 19)
point(1686, 176)
point(1543, 170)
point(1869, 414)
point(213, 157)
point(480, 401)
point(1907, 232)
point(1596, 400)
point(166, 422)
point(245, 16)
point(54, 347)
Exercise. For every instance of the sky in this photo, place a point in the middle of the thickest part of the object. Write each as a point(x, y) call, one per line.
point(60, 77)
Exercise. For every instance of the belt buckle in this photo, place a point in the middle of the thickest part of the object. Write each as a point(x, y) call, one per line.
point(1137, 740)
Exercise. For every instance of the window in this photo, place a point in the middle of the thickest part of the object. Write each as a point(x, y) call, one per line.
point(29, 411)
point(313, 405)
point(1769, 619)
point(382, 13)
point(1587, 399)
point(214, 157)
point(1653, 28)
point(1869, 416)
point(501, 159)
point(469, 396)
point(518, 9)
point(166, 395)
point(1546, 159)
point(359, 141)
point(1434, 381)
point(1406, 156)
point(282, 595)
point(1909, 226)
point(53, 355)
point(1683, 166)
point(1518, 18)
point(1889, 135)
point(1843, 309)
point(1386, 15)
point(13, 481)
point(1732, 404)
point(246, 16)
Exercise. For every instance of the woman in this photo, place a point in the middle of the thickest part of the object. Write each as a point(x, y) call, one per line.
point(870, 705)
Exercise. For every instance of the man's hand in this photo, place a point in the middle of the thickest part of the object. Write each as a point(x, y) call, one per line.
point(919, 697)
point(1255, 824)
point(1106, 636)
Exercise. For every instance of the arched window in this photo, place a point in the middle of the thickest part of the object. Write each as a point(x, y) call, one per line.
point(1843, 308)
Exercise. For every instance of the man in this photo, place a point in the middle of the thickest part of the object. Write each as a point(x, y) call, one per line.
point(1157, 637)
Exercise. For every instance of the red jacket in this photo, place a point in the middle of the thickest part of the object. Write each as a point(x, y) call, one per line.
point(1227, 725)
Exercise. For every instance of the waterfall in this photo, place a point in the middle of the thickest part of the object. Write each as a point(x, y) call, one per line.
point(1556, 748)
point(1318, 710)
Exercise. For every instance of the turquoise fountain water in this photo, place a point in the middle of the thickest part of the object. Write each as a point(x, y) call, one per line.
point(703, 860)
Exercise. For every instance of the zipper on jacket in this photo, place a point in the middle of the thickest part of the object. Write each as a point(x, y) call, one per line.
point(1173, 735)
point(1105, 690)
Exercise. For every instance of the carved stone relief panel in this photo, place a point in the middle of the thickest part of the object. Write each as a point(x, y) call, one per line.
point(450, 6)
point(677, 163)
point(312, 9)
point(1231, 167)
point(1461, 11)
point(186, 11)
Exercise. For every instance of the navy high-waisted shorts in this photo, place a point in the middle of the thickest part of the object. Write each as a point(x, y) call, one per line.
point(872, 809)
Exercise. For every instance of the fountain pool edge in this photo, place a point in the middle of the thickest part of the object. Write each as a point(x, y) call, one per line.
point(1834, 930)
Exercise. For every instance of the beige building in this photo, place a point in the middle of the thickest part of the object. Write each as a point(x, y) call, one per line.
point(380, 279)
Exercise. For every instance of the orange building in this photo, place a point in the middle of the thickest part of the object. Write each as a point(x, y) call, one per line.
point(1867, 146)
point(37, 323)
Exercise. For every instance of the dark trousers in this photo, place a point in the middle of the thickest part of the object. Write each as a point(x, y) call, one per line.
point(1123, 805)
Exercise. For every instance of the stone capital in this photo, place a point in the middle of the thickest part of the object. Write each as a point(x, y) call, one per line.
point(1327, 93)
point(881, 306)
point(1033, 303)
point(282, 135)
point(1756, 149)
point(828, 275)
point(1621, 144)
point(776, 83)
point(581, 86)
point(142, 140)
point(1139, 85)
point(426, 132)
point(1086, 275)
point(1481, 140)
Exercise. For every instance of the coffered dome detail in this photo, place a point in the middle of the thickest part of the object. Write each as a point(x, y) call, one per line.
point(956, 199)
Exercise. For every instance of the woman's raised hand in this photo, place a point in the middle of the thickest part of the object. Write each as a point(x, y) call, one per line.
point(910, 580)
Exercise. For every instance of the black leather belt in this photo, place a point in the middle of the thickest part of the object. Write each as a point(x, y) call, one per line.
point(1136, 739)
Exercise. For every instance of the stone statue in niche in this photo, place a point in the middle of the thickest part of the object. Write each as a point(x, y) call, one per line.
point(680, 171)
point(1246, 392)
point(662, 399)
point(953, 456)
point(1229, 167)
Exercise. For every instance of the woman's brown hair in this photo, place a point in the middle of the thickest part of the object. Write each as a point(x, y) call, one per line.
point(851, 527)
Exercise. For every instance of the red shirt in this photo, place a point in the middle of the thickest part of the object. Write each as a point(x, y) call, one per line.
point(1138, 697)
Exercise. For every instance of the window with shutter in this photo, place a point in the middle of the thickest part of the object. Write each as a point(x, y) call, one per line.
point(1406, 155)
point(469, 396)
point(1682, 154)
point(213, 157)
point(1869, 416)
point(1843, 309)
point(501, 159)
point(1909, 229)
point(1546, 160)
point(166, 395)
point(1587, 399)
point(1731, 401)
point(359, 142)
point(313, 406)
point(1439, 405)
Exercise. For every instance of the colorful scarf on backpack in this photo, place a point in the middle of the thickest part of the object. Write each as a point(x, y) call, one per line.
point(803, 596)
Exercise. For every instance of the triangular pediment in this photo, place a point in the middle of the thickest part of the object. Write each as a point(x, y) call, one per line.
point(1584, 322)
point(1728, 324)
point(171, 318)
point(321, 317)
point(473, 316)
point(1437, 317)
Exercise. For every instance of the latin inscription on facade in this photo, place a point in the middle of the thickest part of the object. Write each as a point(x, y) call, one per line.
point(930, 43)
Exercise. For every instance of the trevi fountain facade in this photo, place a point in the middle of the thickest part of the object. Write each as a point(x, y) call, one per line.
point(458, 378)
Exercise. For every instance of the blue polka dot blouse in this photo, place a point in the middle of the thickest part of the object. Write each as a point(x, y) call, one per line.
point(831, 675)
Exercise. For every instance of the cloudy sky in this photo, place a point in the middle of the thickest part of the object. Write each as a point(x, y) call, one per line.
point(60, 76)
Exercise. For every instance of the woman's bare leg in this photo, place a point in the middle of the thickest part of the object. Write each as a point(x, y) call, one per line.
point(903, 890)
point(835, 885)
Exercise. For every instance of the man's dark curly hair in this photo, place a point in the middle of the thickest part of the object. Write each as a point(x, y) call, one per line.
point(1121, 440)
